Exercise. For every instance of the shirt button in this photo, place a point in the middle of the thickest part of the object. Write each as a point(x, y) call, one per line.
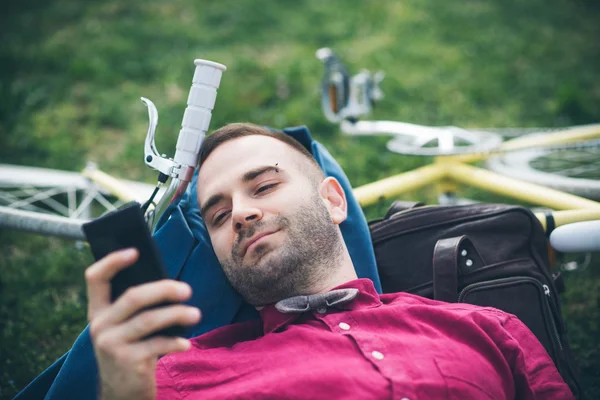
point(321, 310)
point(405, 398)
point(377, 355)
point(344, 326)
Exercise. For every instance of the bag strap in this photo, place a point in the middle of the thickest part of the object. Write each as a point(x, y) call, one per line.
point(451, 257)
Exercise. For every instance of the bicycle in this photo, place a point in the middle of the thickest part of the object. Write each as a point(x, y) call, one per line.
point(345, 99)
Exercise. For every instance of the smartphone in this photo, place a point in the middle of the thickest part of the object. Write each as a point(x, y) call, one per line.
point(125, 228)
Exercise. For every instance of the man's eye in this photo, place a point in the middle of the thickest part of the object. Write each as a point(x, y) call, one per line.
point(221, 217)
point(266, 187)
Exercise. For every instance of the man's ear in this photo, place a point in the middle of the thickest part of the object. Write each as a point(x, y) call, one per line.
point(335, 199)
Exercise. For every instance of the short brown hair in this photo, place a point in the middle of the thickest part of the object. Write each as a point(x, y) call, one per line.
point(241, 129)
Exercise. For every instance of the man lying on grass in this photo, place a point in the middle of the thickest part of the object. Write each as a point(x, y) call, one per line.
point(273, 221)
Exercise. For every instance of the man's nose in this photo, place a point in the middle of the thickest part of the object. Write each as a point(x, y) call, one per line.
point(244, 215)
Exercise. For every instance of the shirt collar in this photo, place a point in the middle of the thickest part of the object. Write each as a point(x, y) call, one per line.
point(367, 298)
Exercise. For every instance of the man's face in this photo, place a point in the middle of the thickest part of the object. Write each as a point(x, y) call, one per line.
point(268, 218)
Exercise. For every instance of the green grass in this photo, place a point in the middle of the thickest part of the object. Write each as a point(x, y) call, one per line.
point(72, 72)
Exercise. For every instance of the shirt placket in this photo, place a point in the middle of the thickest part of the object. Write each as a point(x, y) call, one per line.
point(374, 350)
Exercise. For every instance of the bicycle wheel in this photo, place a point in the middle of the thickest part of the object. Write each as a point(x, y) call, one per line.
point(574, 170)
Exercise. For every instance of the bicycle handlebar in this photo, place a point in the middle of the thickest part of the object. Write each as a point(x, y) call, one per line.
point(196, 120)
point(578, 237)
point(200, 103)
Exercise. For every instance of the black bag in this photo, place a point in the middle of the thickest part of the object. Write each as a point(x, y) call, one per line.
point(489, 255)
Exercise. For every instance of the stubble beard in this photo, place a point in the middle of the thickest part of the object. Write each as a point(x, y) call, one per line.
point(311, 253)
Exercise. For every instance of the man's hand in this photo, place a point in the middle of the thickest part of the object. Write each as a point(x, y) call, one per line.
point(126, 360)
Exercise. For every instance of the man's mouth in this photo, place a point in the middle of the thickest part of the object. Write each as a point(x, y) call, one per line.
point(254, 240)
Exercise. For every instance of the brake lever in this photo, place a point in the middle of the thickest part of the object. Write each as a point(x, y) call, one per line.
point(151, 156)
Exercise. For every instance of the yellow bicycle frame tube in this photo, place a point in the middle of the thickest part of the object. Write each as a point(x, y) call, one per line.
point(454, 169)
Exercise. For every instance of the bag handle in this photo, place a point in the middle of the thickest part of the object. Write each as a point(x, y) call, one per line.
point(401, 205)
point(451, 257)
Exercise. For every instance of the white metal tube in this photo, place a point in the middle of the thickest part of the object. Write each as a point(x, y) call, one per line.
point(50, 225)
point(387, 127)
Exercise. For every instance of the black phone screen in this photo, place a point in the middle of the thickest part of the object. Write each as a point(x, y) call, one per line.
point(121, 229)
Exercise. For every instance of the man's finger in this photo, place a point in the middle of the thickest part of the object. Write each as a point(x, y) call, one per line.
point(148, 322)
point(159, 346)
point(143, 296)
point(151, 321)
point(99, 275)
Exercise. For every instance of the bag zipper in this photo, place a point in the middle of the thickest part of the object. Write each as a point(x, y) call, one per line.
point(546, 289)
point(556, 335)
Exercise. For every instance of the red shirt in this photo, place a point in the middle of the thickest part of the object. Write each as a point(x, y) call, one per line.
point(391, 346)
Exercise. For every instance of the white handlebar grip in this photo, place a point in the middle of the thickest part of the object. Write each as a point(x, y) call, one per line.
point(578, 237)
point(196, 118)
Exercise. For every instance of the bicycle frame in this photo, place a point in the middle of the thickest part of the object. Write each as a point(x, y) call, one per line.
point(345, 99)
point(454, 169)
